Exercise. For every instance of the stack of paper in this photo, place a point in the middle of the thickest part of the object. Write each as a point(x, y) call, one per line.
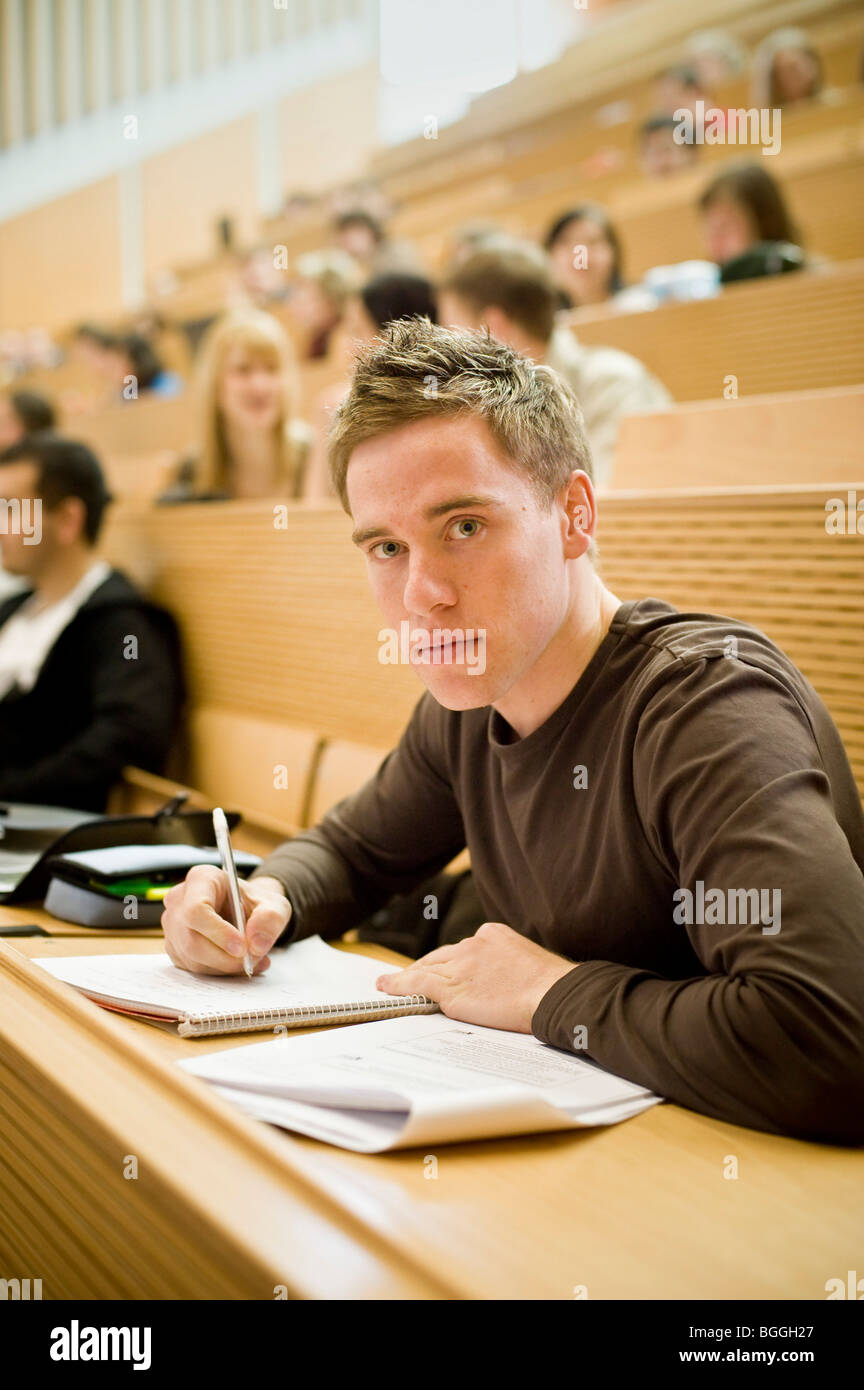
point(417, 1080)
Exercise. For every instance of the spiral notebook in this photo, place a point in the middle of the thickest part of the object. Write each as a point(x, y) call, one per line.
point(308, 983)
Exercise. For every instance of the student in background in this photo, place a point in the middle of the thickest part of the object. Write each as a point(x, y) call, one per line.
point(662, 152)
point(250, 440)
point(316, 303)
point(258, 282)
point(744, 208)
point(363, 237)
point(359, 235)
point(386, 298)
point(715, 56)
point(507, 287)
point(585, 255)
point(787, 70)
point(90, 677)
point(467, 238)
point(22, 413)
point(168, 339)
point(382, 301)
point(679, 88)
point(136, 369)
point(90, 345)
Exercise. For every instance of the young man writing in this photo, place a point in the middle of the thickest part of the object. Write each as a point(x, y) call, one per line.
point(609, 756)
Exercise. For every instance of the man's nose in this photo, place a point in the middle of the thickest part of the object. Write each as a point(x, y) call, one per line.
point(427, 587)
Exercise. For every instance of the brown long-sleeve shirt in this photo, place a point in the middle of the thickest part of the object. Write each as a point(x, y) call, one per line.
point(690, 755)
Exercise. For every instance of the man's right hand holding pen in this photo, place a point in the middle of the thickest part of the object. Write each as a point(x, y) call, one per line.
point(198, 938)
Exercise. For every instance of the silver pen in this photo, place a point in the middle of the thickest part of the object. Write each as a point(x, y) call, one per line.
point(223, 842)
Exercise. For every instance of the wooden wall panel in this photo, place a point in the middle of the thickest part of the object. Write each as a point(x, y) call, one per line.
point(760, 555)
point(61, 262)
point(783, 439)
point(187, 189)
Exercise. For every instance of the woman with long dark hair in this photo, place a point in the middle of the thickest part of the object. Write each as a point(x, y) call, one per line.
point(585, 253)
point(741, 208)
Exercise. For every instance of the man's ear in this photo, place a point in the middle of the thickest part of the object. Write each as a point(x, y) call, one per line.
point(70, 516)
point(578, 513)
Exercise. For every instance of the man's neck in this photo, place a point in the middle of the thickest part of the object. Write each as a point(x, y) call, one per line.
point(535, 348)
point(546, 686)
point(62, 576)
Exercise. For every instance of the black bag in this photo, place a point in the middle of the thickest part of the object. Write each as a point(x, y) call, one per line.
point(765, 258)
point(30, 840)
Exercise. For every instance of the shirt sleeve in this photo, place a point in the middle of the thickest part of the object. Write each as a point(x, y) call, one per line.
point(399, 829)
point(732, 792)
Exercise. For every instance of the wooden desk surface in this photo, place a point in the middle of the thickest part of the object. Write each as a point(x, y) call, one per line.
point(227, 1207)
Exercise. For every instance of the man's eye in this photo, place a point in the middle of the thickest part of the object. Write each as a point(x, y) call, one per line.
point(381, 549)
point(468, 521)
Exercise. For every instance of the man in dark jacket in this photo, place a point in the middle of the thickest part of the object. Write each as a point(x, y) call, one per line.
point(90, 676)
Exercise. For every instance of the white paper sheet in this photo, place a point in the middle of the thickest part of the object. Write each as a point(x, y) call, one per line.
point(417, 1080)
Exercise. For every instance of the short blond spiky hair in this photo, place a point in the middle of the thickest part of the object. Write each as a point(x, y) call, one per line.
point(417, 370)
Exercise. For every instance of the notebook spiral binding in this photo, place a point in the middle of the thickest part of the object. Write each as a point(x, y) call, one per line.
point(242, 1021)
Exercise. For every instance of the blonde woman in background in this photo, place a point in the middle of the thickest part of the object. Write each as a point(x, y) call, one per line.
point(250, 441)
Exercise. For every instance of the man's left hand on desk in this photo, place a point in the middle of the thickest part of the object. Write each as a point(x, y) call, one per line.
point(495, 978)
